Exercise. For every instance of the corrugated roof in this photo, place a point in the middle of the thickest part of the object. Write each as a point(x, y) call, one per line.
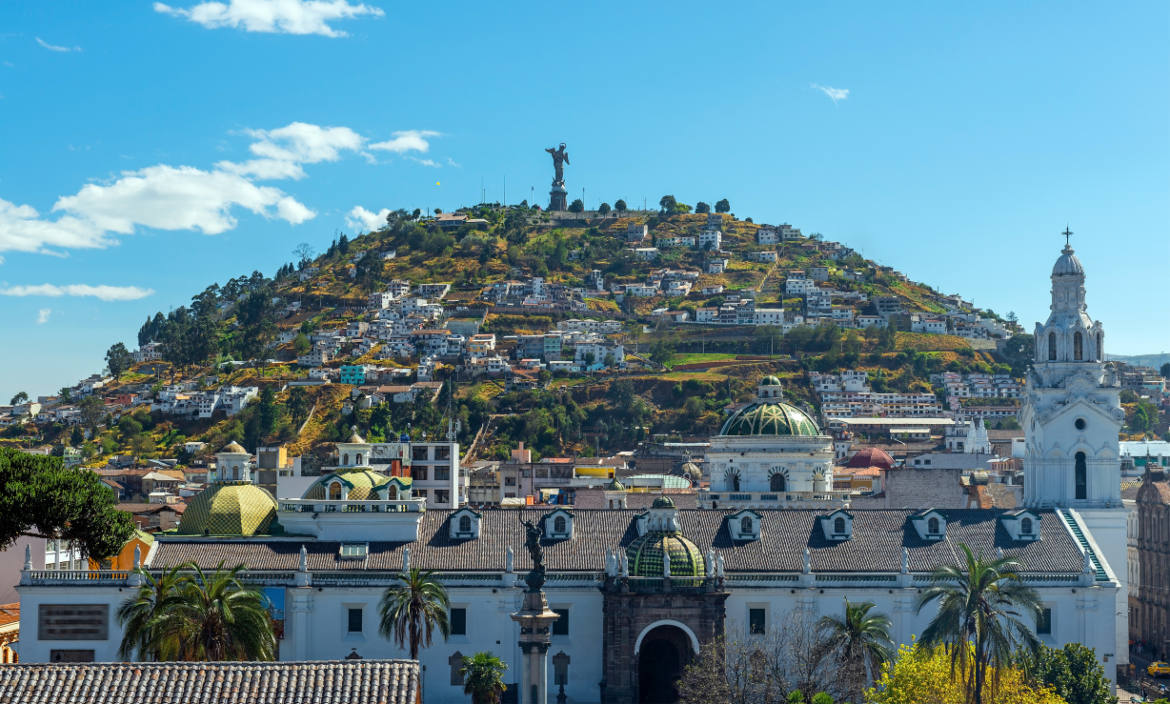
point(878, 539)
point(355, 681)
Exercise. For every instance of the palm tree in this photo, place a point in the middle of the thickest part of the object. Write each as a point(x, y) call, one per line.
point(215, 618)
point(862, 642)
point(139, 617)
point(980, 616)
point(483, 678)
point(413, 609)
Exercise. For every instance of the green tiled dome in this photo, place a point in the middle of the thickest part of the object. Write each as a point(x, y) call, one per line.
point(769, 419)
point(363, 484)
point(229, 508)
point(645, 556)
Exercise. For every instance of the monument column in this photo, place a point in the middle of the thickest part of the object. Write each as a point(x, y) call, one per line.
point(535, 619)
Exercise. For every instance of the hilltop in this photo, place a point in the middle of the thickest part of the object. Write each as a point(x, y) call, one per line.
point(516, 271)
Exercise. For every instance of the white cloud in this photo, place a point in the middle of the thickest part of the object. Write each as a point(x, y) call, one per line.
point(51, 47)
point(426, 162)
point(835, 94)
point(43, 315)
point(452, 163)
point(359, 217)
point(105, 293)
point(178, 198)
point(406, 141)
point(283, 150)
point(282, 16)
point(23, 230)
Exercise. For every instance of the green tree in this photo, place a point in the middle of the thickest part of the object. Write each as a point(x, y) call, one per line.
point(619, 205)
point(603, 209)
point(43, 499)
point(76, 437)
point(66, 394)
point(412, 610)
point(981, 607)
point(662, 351)
point(20, 397)
point(1019, 351)
point(92, 411)
point(483, 678)
point(668, 204)
point(702, 208)
point(215, 618)
point(1073, 673)
point(1165, 371)
point(862, 644)
point(118, 360)
point(621, 394)
point(140, 616)
point(301, 344)
point(298, 404)
point(576, 206)
point(723, 206)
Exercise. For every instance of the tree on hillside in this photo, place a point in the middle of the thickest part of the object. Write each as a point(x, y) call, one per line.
point(256, 315)
point(92, 410)
point(304, 254)
point(603, 209)
point(118, 360)
point(43, 499)
point(1019, 352)
point(667, 204)
point(438, 212)
point(301, 344)
point(343, 244)
point(723, 206)
point(1166, 370)
point(619, 205)
point(702, 208)
point(20, 397)
point(576, 206)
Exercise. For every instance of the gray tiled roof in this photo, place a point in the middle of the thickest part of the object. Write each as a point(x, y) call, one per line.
point(354, 682)
point(876, 546)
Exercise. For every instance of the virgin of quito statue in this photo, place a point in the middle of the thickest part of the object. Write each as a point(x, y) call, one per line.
point(557, 196)
point(535, 621)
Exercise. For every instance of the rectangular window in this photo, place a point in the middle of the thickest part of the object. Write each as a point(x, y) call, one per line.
point(561, 625)
point(419, 494)
point(458, 622)
point(442, 496)
point(442, 474)
point(419, 472)
point(355, 620)
point(1044, 624)
point(418, 453)
point(442, 453)
point(509, 481)
point(355, 550)
point(756, 623)
point(70, 656)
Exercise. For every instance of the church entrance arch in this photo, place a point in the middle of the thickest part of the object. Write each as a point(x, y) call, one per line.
point(663, 651)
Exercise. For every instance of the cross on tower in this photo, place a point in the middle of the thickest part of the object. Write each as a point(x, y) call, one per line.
point(1067, 233)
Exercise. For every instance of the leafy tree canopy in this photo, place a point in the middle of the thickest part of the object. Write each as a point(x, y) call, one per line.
point(723, 206)
point(702, 207)
point(576, 206)
point(43, 499)
point(118, 360)
point(20, 397)
point(619, 205)
point(1072, 672)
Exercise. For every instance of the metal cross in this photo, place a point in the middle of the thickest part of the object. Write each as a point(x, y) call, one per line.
point(1067, 233)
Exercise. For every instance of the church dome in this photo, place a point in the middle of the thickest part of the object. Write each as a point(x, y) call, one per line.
point(362, 484)
point(770, 381)
point(769, 419)
point(229, 508)
point(615, 485)
point(663, 502)
point(645, 555)
point(234, 448)
point(1068, 264)
point(871, 457)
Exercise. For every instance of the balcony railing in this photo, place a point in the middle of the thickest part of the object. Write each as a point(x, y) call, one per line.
point(72, 576)
point(360, 506)
point(775, 496)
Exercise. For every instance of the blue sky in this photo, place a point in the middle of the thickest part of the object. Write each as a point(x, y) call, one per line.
point(154, 149)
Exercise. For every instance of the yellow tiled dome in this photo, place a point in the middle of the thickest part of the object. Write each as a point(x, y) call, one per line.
point(362, 484)
point(229, 508)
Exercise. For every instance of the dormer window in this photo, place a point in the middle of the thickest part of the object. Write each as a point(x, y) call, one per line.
point(354, 551)
point(1022, 525)
point(838, 525)
point(930, 524)
point(465, 524)
point(335, 491)
point(558, 525)
point(744, 525)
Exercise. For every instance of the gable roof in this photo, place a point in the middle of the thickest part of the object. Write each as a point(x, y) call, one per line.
point(878, 539)
point(356, 681)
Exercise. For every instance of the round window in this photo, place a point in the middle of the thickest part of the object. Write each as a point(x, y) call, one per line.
point(1080, 423)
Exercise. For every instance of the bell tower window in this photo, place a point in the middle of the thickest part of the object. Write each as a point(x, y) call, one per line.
point(345, 460)
point(1051, 347)
point(1081, 476)
point(1078, 346)
point(778, 483)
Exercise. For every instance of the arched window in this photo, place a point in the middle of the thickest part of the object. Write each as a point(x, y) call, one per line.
point(1078, 346)
point(1051, 347)
point(932, 526)
point(345, 460)
point(465, 524)
point(335, 491)
point(745, 525)
point(392, 493)
point(1026, 526)
point(778, 482)
point(838, 525)
point(732, 480)
point(559, 525)
point(359, 458)
point(236, 471)
point(1081, 476)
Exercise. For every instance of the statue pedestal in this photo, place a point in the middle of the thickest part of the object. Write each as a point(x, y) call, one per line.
point(558, 198)
point(535, 621)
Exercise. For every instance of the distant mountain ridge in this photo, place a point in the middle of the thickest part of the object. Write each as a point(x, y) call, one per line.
point(1141, 360)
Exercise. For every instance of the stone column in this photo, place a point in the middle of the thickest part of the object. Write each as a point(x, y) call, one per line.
point(302, 604)
point(535, 621)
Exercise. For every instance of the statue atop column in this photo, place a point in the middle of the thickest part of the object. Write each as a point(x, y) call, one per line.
point(535, 532)
point(558, 194)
